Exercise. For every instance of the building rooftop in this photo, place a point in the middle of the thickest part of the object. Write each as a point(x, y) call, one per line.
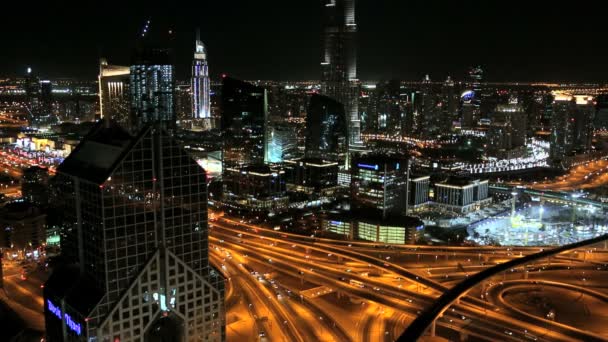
point(374, 216)
point(95, 158)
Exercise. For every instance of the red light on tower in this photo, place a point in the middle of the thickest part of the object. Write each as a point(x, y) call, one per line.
point(224, 75)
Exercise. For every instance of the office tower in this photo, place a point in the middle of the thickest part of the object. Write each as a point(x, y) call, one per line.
point(428, 123)
point(475, 77)
point(151, 84)
point(470, 114)
point(507, 131)
point(183, 105)
point(339, 62)
point(471, 98)
point(136, 242)
point(46, 98)
point(380, 183)
point(449, 104)
point(32, 91)
point(34, 185)
point(379, 191)
point(201, 86)
point(390, 111)
point(282, 142)
point(367, 109)
point(312, 176)
point(244, 124)
point(326, 129)
point(561, 142)
point(114, 92)
point(256, 187)
point(584, 117)
point(418, 191)
point(462, 194)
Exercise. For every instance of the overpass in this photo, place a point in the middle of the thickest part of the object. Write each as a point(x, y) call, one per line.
point(428, 317)
point(556, 196)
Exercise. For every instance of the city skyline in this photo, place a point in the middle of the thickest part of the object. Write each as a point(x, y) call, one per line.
point(409, 41)
point(405, 184)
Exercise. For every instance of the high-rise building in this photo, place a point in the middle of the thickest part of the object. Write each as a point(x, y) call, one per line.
point(584, 117)
point(326, 129)
point(282, 142)
point(507, 130)
point(136, 242)
point(244, 124)
point(201, 86)
point(561, 127)
point(390, 110)
point(367, 108)
point(34, 185)
point(183, 105)
point(429, 121)
point(449, 104)
point(380, 183)
point(151, 84)
point(471, 98)
point(339, 62)
point(571, 125)
point(114, 92)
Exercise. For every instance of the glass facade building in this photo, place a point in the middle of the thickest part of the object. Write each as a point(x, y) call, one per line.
point(135, 216)
point(326, 129)
point(339, 62)
point(151, 85)
point(380, 183)
point(244, 124)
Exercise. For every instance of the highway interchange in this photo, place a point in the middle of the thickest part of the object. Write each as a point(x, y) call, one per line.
point(373, 292)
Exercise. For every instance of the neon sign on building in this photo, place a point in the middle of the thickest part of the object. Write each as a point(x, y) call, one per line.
point(75, 327)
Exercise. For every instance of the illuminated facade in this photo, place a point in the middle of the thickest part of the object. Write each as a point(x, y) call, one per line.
point(326, 129)
point(418, 191)
point(135, 237)
point(367, 226)
point(201, 86)
point(113, 83)
point(462, 195)
point(312, 176)
point(339, 62)
point(151, 85)
point(571, 126)
point(256, 187)
point(507, 131)
point(380, 183)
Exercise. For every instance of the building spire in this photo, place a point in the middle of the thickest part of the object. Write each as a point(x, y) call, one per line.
point(198, 34)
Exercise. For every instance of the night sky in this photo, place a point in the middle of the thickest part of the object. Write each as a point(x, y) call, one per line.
point(529, 40)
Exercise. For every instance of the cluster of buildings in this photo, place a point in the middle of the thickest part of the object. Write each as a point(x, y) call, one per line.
point(132, 195)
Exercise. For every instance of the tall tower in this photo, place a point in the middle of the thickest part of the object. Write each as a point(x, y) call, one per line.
point(339, 62)
point(200, 81)
point(152, 81)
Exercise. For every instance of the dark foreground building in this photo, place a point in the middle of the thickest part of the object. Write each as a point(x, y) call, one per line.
point(136, 243)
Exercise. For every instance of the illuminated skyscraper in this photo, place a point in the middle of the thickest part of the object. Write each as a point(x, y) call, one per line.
point(114, 92)
point(152, 81)
point(339, 62)
point(135, 221)
point(151, 86)
point(200, 81)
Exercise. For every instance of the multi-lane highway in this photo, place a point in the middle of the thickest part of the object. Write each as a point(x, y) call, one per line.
point(394, 284)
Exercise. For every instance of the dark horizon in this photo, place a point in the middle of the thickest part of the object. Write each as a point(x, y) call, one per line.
point(275, 40)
